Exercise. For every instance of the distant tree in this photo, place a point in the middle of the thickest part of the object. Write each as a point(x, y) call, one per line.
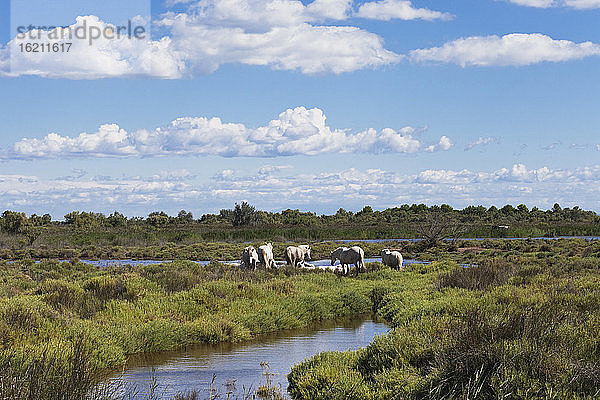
point(446, 208)
point(508, 210)
point(556, 208)
point(210, 219)
point(366, 215)
point(226, 215)
point(158, 218)
point(366, 210)
point(13, 222)
point(245, 214)
point(85, 219)
point(36, 220)
point(185, 217)
point(46, 219)
point(291, 217)
point(117, 219)
point(439, 226)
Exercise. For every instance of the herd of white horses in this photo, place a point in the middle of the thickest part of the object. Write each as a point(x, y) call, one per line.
point(298, 257)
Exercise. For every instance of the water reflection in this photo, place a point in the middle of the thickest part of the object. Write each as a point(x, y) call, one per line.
point(238, 366)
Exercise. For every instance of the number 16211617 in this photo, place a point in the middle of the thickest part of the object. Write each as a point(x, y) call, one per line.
point(45, 47)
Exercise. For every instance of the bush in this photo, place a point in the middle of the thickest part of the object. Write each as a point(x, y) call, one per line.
point(107, 288)
point(59, 294)
point(25, 313)
point(377, 296)
point(327, 376)
point(478, 277)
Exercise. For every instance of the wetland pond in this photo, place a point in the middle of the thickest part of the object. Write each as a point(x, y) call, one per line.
point(316, 263)
point(240, 368)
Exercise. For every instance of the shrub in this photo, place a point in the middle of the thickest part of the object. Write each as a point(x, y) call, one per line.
point(25, 313)
point(327, 376)
point(478, 277)
point(60, 293)
point(107, 288)
point(355, 303)
point(377, 296)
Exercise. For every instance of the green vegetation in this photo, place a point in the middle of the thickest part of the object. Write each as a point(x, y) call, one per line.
point(95, 235)
point(63, 324)
point(523, 324)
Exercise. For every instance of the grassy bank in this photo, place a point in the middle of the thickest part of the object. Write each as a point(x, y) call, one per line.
point(518, 326)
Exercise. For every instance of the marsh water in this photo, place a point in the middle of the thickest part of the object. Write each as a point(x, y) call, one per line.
point(316, 263)
point(322, 263)
point(236, 368)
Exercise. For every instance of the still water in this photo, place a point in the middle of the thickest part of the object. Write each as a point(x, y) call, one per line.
point(236, 368)
point(316, 263)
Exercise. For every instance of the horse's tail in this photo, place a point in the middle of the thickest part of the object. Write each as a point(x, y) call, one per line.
point(362, 260)
point(288, 257)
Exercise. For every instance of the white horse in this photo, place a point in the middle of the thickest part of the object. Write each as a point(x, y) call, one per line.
point(353, 255)
point(392, 259)
point(265, 256)
point(296, 255)
point(249, 258)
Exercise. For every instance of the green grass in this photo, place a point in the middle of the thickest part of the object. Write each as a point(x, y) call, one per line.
point(523, 323)
point(120, 311)
point(524, 327)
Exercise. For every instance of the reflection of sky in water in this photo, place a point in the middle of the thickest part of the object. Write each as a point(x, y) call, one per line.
point(317, 263)
point(327, 262)
point(194, 368)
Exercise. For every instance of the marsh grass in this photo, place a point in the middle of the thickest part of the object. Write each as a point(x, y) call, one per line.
point(61, 372)
point(478, 277)
point(523, 324)
point(62, 324)
point(522, 328)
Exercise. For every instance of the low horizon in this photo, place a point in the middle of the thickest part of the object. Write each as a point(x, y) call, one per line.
point(198, 216)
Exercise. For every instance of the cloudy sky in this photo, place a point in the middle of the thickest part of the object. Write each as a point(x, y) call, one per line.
point(313, 104)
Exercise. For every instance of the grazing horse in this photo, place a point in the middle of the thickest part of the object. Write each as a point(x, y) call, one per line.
point(297, 255)
point(265, 256)
point(353, 255)
point(392, 259)
point(249, 258)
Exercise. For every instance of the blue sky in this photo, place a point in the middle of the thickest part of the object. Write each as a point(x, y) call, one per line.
point(462, 102)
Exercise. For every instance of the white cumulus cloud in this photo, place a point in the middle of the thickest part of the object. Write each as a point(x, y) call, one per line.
point(103, 58)
point(577, 4)
point(279, 34)
point(444, 144)
point(275, 187)
point(297, 131)
point(509, 50)
point(397, 9)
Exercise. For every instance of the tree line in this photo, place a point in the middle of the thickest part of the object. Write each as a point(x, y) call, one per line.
point(244, 214)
